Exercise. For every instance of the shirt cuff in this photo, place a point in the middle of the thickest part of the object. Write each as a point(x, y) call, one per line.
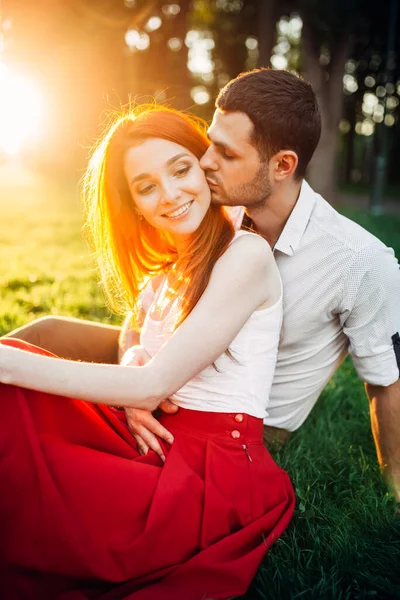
point(381, 369)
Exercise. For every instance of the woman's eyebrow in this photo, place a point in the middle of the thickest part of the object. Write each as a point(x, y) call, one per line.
point(169, 162)
point(175, 158)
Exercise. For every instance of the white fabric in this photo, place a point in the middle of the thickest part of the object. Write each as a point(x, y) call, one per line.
point(341, 293)
point(240, 386)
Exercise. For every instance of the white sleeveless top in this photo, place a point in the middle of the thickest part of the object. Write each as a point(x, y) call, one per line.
point(241, 386)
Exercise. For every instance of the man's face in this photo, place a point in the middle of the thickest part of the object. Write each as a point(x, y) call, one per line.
point(234, 170)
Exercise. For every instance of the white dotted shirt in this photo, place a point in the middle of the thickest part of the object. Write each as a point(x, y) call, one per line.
point(341, 293)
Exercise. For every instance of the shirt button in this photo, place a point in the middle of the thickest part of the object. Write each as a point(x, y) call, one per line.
point(235, 434)
point(239, 418)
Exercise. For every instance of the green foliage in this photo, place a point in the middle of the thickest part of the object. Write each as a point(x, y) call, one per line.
point(344, 539)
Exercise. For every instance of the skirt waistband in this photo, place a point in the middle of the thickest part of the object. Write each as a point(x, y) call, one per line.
point(231, 426)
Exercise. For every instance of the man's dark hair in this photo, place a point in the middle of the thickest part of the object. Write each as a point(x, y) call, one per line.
point(283, 109)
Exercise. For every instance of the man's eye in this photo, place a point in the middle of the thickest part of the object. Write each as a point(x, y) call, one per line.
point(226, 155)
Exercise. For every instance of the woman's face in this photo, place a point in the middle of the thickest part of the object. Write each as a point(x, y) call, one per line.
point(168, 187)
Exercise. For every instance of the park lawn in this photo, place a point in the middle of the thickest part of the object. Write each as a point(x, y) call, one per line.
point(344, 539)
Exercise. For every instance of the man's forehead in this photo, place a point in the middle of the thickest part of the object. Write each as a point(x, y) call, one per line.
point(230, 128)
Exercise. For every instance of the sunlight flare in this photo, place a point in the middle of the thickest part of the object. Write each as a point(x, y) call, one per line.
point(20, 110)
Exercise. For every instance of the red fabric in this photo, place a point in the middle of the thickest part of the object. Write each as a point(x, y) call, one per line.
point(84, 516)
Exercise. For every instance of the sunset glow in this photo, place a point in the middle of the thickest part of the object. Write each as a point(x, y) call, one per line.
point(20, 110)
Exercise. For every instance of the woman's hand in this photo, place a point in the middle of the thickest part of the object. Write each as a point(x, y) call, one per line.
point(143, 426)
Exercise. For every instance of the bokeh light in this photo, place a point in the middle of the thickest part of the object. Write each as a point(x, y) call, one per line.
point(153, 23)
point(200, 94)
point(279, 62)
point(344, 126)
point(200, 44)
point(171, 10)
point(136, 41)
point(350, 85)
point(390, 120)
point(251, 43)
point(175, 44)
point(369, 81)
point(286, 51)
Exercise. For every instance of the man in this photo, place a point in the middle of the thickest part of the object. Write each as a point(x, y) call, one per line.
point(341, 284)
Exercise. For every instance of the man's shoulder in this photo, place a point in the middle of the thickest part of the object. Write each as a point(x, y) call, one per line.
point(335, 229)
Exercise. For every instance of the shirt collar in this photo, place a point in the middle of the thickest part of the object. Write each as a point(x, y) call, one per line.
point(296, 224)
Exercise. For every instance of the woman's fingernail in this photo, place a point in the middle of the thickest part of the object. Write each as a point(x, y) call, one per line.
point(170, 440)
point(162, 457)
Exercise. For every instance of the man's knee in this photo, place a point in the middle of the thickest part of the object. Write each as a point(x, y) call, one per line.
point(38, 332)
point(71, 338)
point(275, 438)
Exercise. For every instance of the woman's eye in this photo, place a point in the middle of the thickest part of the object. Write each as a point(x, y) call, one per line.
point(147, 189)
point(182, 171)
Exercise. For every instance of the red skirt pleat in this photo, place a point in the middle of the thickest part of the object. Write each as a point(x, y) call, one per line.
point(83, 516)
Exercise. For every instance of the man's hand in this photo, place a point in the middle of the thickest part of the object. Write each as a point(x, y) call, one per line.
point(143, 426)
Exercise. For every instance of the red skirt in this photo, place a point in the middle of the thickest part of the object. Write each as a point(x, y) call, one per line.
point(84, 516)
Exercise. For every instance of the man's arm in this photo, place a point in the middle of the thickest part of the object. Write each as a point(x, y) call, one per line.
point(371, 320)
point(385, 423)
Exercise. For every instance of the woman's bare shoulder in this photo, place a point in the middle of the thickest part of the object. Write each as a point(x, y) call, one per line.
point(249, 247)
point(251, 258)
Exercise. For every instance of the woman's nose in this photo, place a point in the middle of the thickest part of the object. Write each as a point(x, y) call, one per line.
point(170, 192)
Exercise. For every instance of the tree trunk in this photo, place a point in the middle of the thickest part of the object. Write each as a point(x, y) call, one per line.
point(328, 86)
point(349, 142)
point(267, 16)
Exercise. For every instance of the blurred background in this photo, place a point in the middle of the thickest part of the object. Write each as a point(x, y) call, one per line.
point(65, 63)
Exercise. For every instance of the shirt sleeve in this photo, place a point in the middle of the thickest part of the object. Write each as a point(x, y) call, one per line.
point(370, 314)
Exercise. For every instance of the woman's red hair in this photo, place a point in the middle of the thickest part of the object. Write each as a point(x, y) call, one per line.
point(129, 250)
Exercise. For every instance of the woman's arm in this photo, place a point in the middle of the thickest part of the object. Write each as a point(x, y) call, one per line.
point(243, 278)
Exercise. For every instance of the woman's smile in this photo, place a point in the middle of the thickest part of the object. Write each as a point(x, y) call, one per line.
point(179, 212)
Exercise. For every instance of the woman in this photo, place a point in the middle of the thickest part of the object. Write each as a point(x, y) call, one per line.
point(85, 514)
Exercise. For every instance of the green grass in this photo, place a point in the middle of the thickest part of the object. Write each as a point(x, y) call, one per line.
point(45, 267)
point(344, 540)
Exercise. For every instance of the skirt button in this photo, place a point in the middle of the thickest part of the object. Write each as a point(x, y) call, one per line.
point(235, 434)
point(239, 418)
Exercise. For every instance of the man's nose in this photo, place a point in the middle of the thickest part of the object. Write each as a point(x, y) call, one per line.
point(207, 161)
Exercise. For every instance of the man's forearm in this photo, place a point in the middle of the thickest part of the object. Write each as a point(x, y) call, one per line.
point(385, 423)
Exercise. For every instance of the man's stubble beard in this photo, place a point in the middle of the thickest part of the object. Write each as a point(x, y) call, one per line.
point(253, 195)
